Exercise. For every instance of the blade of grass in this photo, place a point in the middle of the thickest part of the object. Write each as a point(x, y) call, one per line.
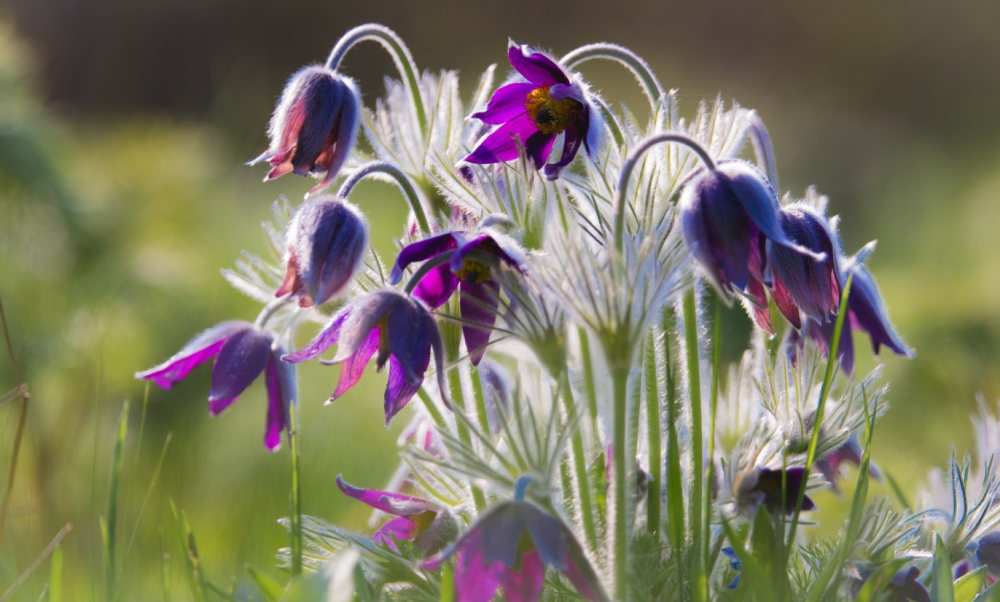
point(190, 551)
point(49, 549)
point(55, 575)
point(967, 588)
point(21, 421)
point(296, 501)
point(145, 501)
point(942, 587)
point(135, 465)
point(270, 588)
point(111, 526)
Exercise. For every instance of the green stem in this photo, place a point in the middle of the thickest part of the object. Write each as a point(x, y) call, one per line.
point(580, 466)
point(391, 41)
point(650, 84)
point(481, 413)
point(675, 488)
point(764, 151)
point(653, 433)
point(458, 398)
point(401, 179)
point(588, 377)
point(714, 403)
point(619, 377)
point(21, 421)
point(296, 518)
point(831, 366)
point(693, 361)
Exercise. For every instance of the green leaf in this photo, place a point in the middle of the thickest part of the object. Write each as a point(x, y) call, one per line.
point(190, 551)
point(754, 576)
point(267, 586)
point(333, 582)
point(877, 583)
point(942, 588)
point(55, 576)
point(970, 585)
point(768, 553)
point(992, 594)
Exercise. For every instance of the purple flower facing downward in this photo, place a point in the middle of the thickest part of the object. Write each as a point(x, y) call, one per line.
point(801, 282)
point(314, 125)
point(766, 490)
point(509, 547)
point(326, 242)
point(480, 292)
point(242, 351)
point(533, 113)
point(397, 327)
point(729, 216)
point(831, 465)
point(418, 521)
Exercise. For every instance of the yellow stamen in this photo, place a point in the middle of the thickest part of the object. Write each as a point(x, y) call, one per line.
point(473, 272)
point(551, 116)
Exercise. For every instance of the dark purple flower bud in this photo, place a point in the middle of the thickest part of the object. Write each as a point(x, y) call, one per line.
point(509, 547)
point(904, 587)
point(314, 125)
point(811, 285)
point(396, 326)
point(326, 242)
point(243, 351)
point(465, 270)
point(988, 552)
point(533, 113)
point(764, 487)
point(729, 215)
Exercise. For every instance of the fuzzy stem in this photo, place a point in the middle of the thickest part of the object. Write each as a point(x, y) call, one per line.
point(693, 360)
point(296, 518)
point(619, 377)
point(831, 366)
point(580, 465)
point(613, 52)
point(653, 433)
point(762, 148)
point(401, 179)
point(270, 309)
point(675, 489)
point(714, 403)
point(21, 421)
point(588, 377)
point(452, 341)
point(630, 163)
point(391, 41)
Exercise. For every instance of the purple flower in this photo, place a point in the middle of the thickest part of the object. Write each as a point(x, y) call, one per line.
point(242, 351)
point(326, 242)
point(480, 291)
point(729, 216)
point(314, 125)
point(801, 282)
point(398, 327)
point(419, 521)
point(509, 547)
point(848, 453)
point(532, 113)
point(988, 552)
point(766, 490)
point(904, 587)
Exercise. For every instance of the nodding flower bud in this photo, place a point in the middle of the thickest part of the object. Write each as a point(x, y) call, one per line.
point(326, 242)
point(314, 125)
point(729, 214)
point(800, 282)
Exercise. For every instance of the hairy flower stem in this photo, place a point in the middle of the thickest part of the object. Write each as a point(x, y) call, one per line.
point(270, 309)
point(713, 407)
point(579, 464)
point(699, 588)
point(412, 198)
point(296, 501)
point(620, 527)
point(588, 377)
point(653, 433)
point(451, 335)
point(763, 150)
point(650, 84)
point(395, 46)
point(21, 421)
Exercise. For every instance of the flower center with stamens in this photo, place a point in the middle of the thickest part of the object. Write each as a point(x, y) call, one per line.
point(473, 272)
point(549, 115)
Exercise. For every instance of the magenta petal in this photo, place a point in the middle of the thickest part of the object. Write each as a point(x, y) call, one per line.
point(500, 145)
point(478, 304)
point(400, 528)
point(420, 251)
point(240, 361)
point(535, 66)
point(198, 351)
point(323, 341)
point(399, 390)
point(386, 501)
point(281, 392)
point(506, 104)
point(538, 147)
point(571, 145)
point(757, 304)
point(476, 581)
point(353, 367)
point(526, 585)
point(436, 287)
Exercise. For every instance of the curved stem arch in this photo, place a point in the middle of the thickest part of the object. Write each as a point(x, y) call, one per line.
point(647, 79)
point(381, 167)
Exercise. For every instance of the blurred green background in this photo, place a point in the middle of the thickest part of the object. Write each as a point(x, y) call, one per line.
point(124, 126)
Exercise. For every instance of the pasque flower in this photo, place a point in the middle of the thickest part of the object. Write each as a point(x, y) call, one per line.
point(801, 282)
point(314, 125)
point(509, 547)
point(399, 327)
point(763, 486)
point(326, 242)
point(479, 290)
point(242, 351)
point(426, 525)
point(533, 113)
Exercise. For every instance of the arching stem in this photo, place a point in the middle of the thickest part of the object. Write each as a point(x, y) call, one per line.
point(271, 308)
point(391, 41)
point(763, 150)
point(612, 52)
point(401, 179)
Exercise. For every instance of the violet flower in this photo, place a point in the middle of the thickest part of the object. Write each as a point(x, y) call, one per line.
point(801, 282)
point(509, 547)
point(480, 292)
point(242, 351)
point(314, 125)
point(427, 526)
point(831, 465)
point(399, 328)
point(766, 489)
point(533, 113)
point(988, 552)
point(729, 215)
point(326, 241)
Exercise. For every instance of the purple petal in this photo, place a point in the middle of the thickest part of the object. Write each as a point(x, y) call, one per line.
point(535, 66)
point(786, 305)
point(323, 341)
point(507, 103)
point(354, 365)
point(811, 284)
point(197, 351)
point(420, 251)
point(501, 145)
point(538, 148)
point(411, 328)
point(396, 504)
point(327, 239)
point(366, 314)
point(769, 483)
point(399, 390)
point(868, 312)
point(760, 312)
point(575, 135)
point(240, 361)
point(476, 580)
point(281, 392)
point(478, 304)
point(524, 585)
point(437, 286)
point(217, 406)
point(400, 528)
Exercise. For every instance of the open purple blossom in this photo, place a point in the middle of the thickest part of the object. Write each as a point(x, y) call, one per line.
point(326, 242)
point(463, 269)
point(242, 351)
point(314, 125)
point(765, 488)
point(801, 282)
point(396, 326)
point(509, 547)
point(729, 216)
point(416, 520)
point(532, 114)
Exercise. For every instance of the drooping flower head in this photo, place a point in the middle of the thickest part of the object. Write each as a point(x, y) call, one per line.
point(314, 125)
point(242, 351)
point(831, 465)
point(426, 525)
point(326, 242)
point(800, 282)
point(763, 486)
point(396, 326)
point(535, 112)
point(509, 547)
point(480, 292)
